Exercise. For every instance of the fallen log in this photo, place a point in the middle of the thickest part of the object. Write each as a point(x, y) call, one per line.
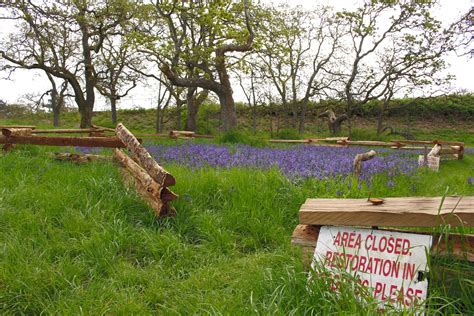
point(8, 132)
point(145, 185)
point(108, 142)
point(79, 158)
point(158, 173)
point(362, 157)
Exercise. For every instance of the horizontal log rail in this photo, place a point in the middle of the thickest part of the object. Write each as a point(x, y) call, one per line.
point(8, 132)
point(158, 173)
point(107, 142)
point(69, 131)
point(18, 126)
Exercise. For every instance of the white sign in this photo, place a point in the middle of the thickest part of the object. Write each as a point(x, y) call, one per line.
point(432, 162)
point(391, 264)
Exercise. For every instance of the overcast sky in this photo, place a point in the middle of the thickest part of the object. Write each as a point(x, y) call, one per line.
point(34, 82)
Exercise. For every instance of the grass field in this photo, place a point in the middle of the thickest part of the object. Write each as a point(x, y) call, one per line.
point(76, 241)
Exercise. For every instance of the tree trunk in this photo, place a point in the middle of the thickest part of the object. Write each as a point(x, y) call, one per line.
point(335, 127)
point(229, 117)
point(56, 113)
point(380, 118)
point(334, 123)
point(192, 108)
point(178, 116)
point(158, 119)
point(254, 107)
point(304, 105)
point(86, 116)
point(56, 107)
point(113, 108)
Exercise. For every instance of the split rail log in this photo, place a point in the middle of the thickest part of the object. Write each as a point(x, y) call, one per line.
point(68, 131)
point(79, 158)
point(107, 129)
point(161, 135)
point(429, 142)
point(312, 141)
point(108, 142)
point(158, 173)
point(153, 193)
point(394, 212)
point(357, 165)
point(17, 126)
point(461, 246)
point(289, 141)
point(369, 143)
point(8, 132)
point(187, 134)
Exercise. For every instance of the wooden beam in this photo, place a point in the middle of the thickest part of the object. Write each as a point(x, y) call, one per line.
point(290, 141)
point(368, 143)
point(108, 129)
point(394, 212)
point(108, 142)
point(461, 246)
point(8, 132)
point(430, 142)
point(68, 131)
point(18, 126)
point(158, 173)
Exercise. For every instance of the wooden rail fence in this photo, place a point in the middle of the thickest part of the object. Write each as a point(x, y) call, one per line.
point(151, 181)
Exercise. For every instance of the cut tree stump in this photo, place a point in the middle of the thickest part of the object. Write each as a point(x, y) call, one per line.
point(158, 173)
point(362, 157)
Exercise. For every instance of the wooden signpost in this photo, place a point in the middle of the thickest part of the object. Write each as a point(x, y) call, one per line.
point(391, 262)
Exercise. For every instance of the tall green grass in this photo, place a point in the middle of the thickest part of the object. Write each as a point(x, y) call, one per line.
point(74, 240)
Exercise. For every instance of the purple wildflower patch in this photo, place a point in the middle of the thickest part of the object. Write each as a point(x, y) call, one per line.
point(298, 162)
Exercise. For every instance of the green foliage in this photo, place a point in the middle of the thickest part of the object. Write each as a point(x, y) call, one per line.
point(238, 137)
point(75, 240)
point(288, 134)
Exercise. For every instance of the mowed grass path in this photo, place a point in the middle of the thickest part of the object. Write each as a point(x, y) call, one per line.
point(75, 240)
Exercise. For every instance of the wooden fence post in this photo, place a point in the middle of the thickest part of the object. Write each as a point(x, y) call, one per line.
point(160, 175)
